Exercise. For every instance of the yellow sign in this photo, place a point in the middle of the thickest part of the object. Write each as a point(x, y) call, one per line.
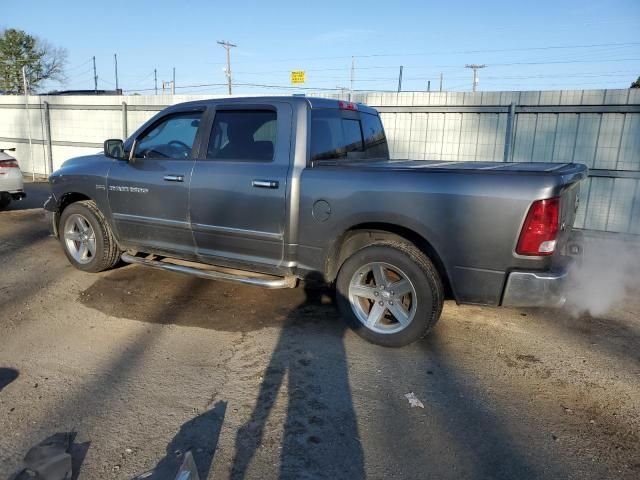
point(297, 76)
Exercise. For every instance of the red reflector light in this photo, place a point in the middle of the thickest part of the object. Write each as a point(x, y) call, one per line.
point(538, 235)
point(8, 164)
point(347, 106)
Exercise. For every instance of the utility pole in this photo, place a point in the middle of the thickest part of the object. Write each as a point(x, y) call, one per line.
point(474, 67)
point(25, 85)
point(400, 80)
point(95, 76)
point(353, 72)
point(115, 61)
point(440, 81)
point(428, 85)
point(173, 82)
point(155, 79)
point(168, 85)
point(228, 46)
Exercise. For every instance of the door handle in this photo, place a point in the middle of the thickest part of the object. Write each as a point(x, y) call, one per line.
point(265, 183)
point(174, 178)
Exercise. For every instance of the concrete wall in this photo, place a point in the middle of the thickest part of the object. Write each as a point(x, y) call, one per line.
point(600, 128)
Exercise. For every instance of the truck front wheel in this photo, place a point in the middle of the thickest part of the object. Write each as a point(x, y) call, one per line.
point(86, 238)
point(390, 293)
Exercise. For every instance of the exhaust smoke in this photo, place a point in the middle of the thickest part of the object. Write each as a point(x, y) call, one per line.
point(607, 271)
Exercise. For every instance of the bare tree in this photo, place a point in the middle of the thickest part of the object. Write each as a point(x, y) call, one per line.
point(42, 61)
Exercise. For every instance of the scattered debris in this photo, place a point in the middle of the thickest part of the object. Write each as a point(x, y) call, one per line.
point(50, 459)
point(528, 358)
point(413, 400)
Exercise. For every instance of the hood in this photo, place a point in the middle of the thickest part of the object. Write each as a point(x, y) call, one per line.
point(83, 160)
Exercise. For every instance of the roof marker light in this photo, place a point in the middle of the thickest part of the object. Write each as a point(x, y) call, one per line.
point(347, 106)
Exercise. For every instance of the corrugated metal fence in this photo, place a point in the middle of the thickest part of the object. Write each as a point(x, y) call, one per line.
point(600, 128)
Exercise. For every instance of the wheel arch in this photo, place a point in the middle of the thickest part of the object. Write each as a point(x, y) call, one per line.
point(65, 200)
point(362, 235)
point(69, 198)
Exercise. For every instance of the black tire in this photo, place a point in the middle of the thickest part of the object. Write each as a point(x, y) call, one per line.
point(420, 272)
point(5, 200)
point(107, 253)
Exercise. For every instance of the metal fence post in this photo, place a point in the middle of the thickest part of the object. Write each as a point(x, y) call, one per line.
point(47, 132)
point(124, 121)
point(508, 139)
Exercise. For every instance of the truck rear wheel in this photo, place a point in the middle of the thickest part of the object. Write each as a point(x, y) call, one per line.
point(86, 238)
point(390, 293)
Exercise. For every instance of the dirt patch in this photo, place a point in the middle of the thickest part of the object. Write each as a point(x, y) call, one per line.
point(154, 296)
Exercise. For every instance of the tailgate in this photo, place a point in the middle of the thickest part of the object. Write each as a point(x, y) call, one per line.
point(569, 203)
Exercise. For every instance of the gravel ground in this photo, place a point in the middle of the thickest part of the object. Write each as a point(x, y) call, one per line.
point(144, 365)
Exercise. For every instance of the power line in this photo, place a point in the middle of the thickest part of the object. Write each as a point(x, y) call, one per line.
point(422, 67)
point(79, 65)
point(454, 52)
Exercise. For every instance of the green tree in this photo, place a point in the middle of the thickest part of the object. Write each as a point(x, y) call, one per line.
point(636, 84)
point(42, 61)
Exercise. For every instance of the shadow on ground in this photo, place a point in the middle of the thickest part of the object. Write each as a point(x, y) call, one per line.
point(199, 436)
point(138, 293)
point(320, 437)
point(308, 366)
point(610, 333)
point(7, 375)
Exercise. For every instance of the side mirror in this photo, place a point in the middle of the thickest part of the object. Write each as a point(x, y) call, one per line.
point(114, 148)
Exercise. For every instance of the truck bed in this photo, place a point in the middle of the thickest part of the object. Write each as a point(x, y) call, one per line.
point(536, 168)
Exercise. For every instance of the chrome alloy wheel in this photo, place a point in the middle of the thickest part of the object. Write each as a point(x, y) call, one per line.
point(79, 238)
point(382, 297)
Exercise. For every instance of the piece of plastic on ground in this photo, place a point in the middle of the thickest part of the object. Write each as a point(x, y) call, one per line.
point(413, 400)
point(188, 469)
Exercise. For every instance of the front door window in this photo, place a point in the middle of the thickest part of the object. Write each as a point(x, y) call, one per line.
point(172, 138)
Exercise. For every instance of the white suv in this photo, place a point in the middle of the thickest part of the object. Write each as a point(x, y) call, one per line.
point(11, 187)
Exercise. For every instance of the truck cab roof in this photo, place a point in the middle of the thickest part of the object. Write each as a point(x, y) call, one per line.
point(312, 102)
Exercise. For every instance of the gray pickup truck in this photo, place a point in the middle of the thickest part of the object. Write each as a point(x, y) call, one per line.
point(267, 191)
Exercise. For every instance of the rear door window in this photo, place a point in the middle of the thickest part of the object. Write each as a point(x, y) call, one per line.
point(243, 135)
point(350, 135)
point(375, 142)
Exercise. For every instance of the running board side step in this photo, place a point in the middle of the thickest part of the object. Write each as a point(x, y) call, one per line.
point(265, 281)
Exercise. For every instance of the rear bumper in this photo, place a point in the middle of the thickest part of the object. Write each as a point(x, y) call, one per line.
point(536, 289)
point(18, 195)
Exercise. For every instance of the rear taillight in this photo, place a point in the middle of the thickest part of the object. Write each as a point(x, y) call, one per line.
point(9, 164)
point(538, 235)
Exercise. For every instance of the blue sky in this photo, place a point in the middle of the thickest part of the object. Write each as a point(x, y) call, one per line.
point(523, 43)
